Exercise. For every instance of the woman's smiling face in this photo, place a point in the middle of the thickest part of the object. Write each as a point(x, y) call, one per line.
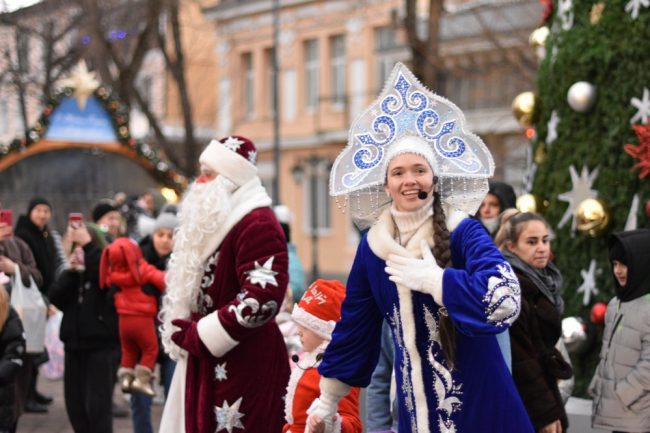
point(407, 175)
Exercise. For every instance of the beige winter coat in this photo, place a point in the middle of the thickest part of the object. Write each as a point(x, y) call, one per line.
point(621, 385)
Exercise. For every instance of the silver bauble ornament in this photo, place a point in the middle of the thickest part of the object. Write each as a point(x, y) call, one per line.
point(573, 333)
point(581, 96)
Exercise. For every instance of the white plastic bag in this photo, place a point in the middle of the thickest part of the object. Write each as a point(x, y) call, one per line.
point(53, 369)
point(30, 306)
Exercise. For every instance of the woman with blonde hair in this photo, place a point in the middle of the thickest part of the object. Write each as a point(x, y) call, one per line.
point(537, 365)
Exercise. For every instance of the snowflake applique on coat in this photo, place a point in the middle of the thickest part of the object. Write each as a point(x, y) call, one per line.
point(263, 274)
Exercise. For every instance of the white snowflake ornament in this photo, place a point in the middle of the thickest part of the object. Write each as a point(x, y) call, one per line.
point(229, 417)
point(552, 124)
point(581, 189)
point(633, 7)
point(233, 143)
point(220, 372)
point(263, 275)
point(643, 106)
point(588, 286)
point(565, 12)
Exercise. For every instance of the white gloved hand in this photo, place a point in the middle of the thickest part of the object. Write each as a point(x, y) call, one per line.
point(322, 412)
point(422, 275)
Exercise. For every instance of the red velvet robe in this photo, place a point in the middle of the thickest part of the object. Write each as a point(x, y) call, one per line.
point(241, 389)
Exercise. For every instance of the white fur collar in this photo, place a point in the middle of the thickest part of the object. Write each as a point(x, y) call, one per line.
point(381, 236)
point(245, 199)
point(308, 361)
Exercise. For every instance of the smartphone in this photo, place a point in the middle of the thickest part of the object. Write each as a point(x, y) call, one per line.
point(7, 216)
point(75, 220)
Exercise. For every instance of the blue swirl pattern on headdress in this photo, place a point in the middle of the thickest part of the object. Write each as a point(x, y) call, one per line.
point(401, 114)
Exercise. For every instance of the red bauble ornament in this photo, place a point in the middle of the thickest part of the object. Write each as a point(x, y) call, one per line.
point(597, 315)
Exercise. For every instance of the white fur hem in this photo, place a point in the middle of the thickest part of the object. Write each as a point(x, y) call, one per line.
point(323, 328)
point(227, 162)
point(214, 336)
point(173, 416)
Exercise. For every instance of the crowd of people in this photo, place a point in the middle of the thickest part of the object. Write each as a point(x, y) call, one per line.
point(451, 320)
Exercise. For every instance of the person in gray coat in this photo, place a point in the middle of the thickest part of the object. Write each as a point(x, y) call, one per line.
point(621, 384)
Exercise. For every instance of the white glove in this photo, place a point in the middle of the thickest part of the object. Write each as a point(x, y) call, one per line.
point(422, 275)
point(324, 408)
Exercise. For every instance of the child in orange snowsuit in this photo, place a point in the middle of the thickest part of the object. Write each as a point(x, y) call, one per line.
point(316, 314)
point(122, 265)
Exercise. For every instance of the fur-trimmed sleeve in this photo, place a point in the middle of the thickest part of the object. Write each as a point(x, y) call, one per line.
point(352, 354)
point(481, 292)
point(262, 272)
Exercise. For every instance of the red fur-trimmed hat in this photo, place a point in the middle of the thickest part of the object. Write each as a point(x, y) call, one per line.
point(234, 157)
point(320, 307)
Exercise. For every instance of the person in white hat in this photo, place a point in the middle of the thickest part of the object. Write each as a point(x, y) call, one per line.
point(413, 173)
point(226, 279)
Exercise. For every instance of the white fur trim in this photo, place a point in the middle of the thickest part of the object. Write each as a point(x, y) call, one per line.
point(228, 163)
point(323, 328)
point(245, 199)
point(411, 144)
point(173, 416)
point(453, 217)
point(437, 288)
point(382, 243)
point(214, 336)
point(309, 361)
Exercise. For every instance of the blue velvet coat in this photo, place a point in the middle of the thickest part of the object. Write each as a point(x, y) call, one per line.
point(482, 296)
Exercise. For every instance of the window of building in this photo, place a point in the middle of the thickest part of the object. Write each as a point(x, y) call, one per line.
point(268, 66)
point(4, 116)
point(248, 89)
point(316, 200)
point(18, 121)
point(311, 74)
point(338, 76)
point(387, 53)
point(22, 49)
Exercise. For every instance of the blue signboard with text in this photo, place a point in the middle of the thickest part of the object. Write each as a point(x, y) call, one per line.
point(69, 123)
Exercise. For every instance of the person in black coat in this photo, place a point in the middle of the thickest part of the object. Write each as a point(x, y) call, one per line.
point(90, 336)
point(12, 351)
point(45, 246)
point(537, 365)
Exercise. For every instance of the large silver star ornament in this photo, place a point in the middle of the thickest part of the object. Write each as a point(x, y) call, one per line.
point(263, 275)
point(229, 417)
point(233, 143)
point(588, 286)
point(580, 191)
point(220, 372)
point(643, 107)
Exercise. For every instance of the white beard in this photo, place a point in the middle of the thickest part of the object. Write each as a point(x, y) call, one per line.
point(202, 211)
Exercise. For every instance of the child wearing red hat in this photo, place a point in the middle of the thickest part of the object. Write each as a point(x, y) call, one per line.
point(316, 315)
point(122, 265)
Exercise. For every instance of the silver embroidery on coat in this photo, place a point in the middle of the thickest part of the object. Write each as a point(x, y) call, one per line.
point(407, 387)
point(503, 297)
point(249, 313)
point(447, 392)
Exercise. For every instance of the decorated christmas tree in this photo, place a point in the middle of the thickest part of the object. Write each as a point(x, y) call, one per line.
point(590, 161)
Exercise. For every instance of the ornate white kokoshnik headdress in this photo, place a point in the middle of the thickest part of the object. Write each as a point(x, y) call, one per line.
point(405, 108)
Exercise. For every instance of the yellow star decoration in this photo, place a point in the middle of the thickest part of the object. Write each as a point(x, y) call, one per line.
point(597, 13)
point(83, 82)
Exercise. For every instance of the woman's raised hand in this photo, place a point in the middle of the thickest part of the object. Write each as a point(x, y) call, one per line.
point(422, 275)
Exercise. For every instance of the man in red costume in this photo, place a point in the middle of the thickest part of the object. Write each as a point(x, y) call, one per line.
point(226, 280)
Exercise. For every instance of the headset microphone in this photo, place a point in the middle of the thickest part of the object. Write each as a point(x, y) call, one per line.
point(422, 195)
point(296, 358)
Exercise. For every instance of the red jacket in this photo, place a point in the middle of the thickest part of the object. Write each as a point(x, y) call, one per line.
point(122, 265)
point(303, 389)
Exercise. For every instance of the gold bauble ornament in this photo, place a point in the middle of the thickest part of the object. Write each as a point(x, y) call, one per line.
point(523, 108)
point(540, 154)
point(529, 203)
point(538, 37)
point(592, 217)
point(596, 13)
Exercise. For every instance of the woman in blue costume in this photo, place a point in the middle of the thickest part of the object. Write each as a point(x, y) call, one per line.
point(414, 174)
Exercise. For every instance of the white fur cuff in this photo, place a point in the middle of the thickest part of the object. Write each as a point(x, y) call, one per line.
point(214, 336)
point(333, 387)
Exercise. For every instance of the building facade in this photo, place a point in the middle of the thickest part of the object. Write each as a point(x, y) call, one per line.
point(333, 58)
